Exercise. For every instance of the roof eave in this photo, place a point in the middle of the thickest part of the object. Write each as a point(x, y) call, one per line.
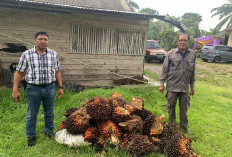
point(20, 4)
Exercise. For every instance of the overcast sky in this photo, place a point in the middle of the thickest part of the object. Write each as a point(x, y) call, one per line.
point(178, 7)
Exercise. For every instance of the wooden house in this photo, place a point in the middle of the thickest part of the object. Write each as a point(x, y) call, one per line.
point(225, 36)
point(98, 41)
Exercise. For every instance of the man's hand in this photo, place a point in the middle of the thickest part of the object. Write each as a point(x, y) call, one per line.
point(192, 92)
point(16, 96)
point(161, 89)
point(60, 93)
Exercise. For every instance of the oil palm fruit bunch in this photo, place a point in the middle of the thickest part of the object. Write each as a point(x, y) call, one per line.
point(138, 104)
point(108, 129)
point(116, 100)
point(153, 125)
point(159, 143)
point(169, 131)
point(120, 114)
point(145, 114)
point(137, 144)
point(62, 124)
point(98, 108)
point(132, 125)
point(180, 146)
point(78, 121)
point(129, 108)
point(69, 112)
point(91, 135)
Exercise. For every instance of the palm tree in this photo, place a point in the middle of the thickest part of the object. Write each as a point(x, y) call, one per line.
point(225, 15)
point(133, 4)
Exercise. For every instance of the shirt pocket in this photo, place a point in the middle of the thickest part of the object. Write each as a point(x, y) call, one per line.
point(189, 65)
point(175, 64)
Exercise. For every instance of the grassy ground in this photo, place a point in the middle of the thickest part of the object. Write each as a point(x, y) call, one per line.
point(210, 120)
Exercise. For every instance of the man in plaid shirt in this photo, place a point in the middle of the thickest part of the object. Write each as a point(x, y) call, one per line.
point(42, 68)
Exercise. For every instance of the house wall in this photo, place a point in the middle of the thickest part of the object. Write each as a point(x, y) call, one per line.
point(22, 24)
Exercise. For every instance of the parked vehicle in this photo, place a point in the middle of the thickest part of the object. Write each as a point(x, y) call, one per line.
point(154, 51)
point(216, 53)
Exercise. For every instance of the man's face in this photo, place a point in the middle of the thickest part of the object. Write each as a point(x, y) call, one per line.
point(41, 41)
point(183, 42)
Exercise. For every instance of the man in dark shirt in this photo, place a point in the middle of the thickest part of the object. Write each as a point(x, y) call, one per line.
point(42, 71)
point(179, 71)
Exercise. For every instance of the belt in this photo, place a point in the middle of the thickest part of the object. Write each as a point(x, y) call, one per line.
point(42, 85)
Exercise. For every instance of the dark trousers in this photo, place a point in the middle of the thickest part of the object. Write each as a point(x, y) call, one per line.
point(184, 104)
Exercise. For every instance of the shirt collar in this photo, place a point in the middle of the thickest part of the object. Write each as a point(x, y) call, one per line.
point(38, 52)
point(179, 51)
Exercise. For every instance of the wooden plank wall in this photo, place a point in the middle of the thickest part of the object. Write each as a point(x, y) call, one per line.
point(22, 24)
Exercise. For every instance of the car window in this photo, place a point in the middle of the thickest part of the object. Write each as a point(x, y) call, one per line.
point(225, 48)
point(207, 47)
point(153, 45)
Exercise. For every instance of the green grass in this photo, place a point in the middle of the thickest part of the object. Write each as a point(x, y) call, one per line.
point(151, 75)
point(210, 117)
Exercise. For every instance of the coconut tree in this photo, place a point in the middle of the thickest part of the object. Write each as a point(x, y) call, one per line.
point(225, 15)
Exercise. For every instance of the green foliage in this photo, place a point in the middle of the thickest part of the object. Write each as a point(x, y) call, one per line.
point(155, 28)
point(149, 11)
point(133, 4)
point(190, 22)
point(225, 15)
point(168, 38)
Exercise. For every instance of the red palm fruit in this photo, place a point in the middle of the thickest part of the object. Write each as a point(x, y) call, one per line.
point(153, 125)
point(116, 95)
point(138, 103)
point(130, 108)
point(99, 146)
point(108, 129)
point(159, 143)
point(145, 114)
point(169, 131)
point(78, 121)
point(70, 111)
point(91, 135)
point(98, 108)
point(120, 114)
point(116, 101)
point(137, 144)
point(132, 125)
point(62, 124)
point(179, 146)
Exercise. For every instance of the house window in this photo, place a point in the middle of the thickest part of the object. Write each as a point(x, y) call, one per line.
point(95, 40)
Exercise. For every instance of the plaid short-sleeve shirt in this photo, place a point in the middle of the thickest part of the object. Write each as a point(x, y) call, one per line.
point(40, 68)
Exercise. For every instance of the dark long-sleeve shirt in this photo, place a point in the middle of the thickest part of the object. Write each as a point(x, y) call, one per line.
point(179, 70)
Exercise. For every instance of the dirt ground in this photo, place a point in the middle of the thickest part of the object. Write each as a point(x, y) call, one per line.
point(211, 67)
point(155, 67)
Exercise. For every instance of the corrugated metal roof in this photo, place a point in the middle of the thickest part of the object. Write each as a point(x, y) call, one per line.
point(108, 7)
point(66, 7)
point(117, 5)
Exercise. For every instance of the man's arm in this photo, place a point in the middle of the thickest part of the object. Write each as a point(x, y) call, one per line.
point(164, 73)
point(15, 94)
point(193, 79)
point(59, 82)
